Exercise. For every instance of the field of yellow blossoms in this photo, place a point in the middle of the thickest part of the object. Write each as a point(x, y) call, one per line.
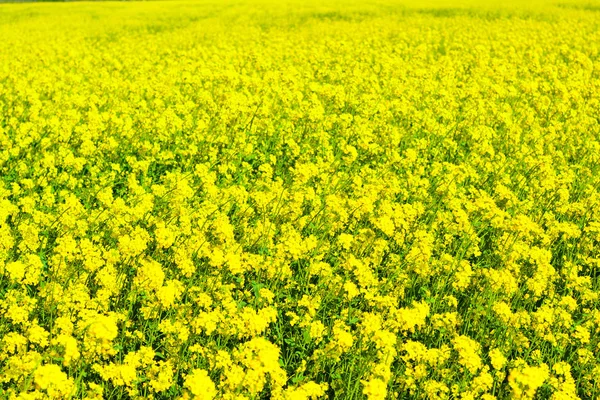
point(294, 200)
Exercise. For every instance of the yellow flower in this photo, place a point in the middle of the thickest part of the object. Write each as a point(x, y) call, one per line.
point(260, 360)
point(16, 270)
point(526, 380)
point(135, 243)
point(582, 334)
point(497, 359)
point(462, 278)
point(70, 346)
point(38, 335)
point(317, 329)
point(94, 392)
point(389, 175)
point(54, 381)
point(150, 275)
point(165, 237)
point(351, 290)
point(374, 389)
point(200, 385)
point(410, 318)
point(169, 293)
point(161, 376)
point(468, 353)
point(307, 391)
point(100, 331)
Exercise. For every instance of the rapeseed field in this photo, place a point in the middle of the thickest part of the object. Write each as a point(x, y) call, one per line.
point(263, 199)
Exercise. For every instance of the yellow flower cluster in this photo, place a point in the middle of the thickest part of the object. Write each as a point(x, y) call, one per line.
point(300, 200)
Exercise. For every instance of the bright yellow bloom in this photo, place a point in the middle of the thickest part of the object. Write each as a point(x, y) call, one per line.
point(374, 389)
point(53, 381)
point(200, 385)
point(526, 380)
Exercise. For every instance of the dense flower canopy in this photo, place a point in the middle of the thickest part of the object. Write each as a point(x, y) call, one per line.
point(300, 200)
